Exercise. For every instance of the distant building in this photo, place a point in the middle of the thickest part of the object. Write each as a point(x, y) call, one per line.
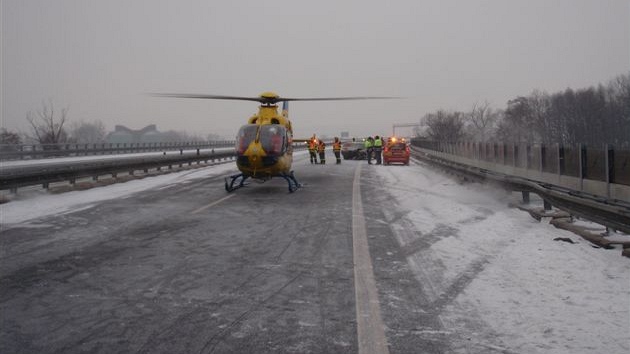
point(124, 135)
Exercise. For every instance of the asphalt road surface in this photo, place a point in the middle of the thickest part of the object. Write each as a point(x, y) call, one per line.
point(191, 269)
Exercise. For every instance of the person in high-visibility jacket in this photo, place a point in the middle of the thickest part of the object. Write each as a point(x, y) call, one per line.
point(337, 149)
point(312, 149)
point(369, 146)
point(321, 148)
point(378, 148)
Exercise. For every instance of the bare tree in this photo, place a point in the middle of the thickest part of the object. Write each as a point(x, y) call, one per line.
point(518, 124)
point(47, 124)
point(618, 109)
point(444, 126)
point(84, 133)
point(482, 119)
point(9, 138)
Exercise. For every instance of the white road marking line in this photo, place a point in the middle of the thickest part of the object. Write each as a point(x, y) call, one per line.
point(370, 328)
point(212, 204)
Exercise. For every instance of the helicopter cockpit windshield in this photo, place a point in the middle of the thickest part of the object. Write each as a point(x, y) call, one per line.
point(273, 139)
point(246, 135)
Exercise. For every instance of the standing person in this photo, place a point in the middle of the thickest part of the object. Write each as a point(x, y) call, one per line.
point(378, 148)
point(312, 149)
point(322, 152)
point(369, 144)
point(337, 150)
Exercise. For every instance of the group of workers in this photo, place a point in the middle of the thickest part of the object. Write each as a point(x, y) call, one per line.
point(374, 147)
point(316, 147)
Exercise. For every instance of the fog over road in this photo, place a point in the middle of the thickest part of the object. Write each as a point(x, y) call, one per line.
point(188, 268)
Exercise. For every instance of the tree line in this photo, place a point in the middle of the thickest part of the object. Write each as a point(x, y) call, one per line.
point(593, 116)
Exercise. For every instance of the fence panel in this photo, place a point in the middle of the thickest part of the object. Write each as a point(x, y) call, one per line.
point(595, 164)
point(534, 158)
point(571, 161)
point(550, 159)
point(621, 169)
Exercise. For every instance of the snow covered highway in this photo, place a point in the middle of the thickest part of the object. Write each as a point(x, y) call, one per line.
point(361, 259)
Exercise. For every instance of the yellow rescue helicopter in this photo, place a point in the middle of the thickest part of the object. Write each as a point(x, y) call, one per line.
point(264, 146)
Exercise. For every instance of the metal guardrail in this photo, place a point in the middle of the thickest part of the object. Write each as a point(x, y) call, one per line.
point(613, 213)
point(599, 170)
point(13, 177)
point(37, 151)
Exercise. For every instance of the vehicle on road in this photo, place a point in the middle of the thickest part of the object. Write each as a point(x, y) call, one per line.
point(396, 152)
point(353, 150)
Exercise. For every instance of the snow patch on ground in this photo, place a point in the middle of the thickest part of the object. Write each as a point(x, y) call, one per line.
point(41, 203)
point(516, 290)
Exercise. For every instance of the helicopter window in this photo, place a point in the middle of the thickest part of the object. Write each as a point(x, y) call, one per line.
point(273, 139)
point(245, 136)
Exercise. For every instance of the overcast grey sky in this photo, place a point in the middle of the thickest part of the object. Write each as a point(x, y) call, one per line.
point(99, 57)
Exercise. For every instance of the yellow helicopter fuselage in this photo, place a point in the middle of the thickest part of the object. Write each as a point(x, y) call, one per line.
point(264, 146)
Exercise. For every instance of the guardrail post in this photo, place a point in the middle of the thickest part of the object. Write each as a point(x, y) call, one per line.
point(543, 155)
point(528, 157)
point(525, 195)
point(582, 163)
point(514, 155)
point(610, 167)
point(561, 165)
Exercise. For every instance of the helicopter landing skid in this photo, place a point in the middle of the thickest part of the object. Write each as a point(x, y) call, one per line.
point(229, 187)
point(293, 183)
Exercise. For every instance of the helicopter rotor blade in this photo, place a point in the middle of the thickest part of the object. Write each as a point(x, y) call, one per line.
point(338, 98)
point(207, 97)
point(266, 99)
